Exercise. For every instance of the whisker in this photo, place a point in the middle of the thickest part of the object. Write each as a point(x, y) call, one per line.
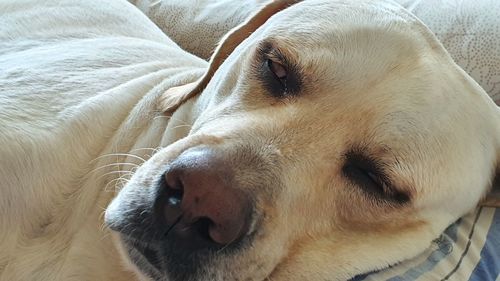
point(113, 164)
point(225, 246)
point(106, 234)
point(116, 181)
point(102, 226)
point(145, 148)
point(120, 184)
point(125, 172)
point(173, 225)
point(120, 154)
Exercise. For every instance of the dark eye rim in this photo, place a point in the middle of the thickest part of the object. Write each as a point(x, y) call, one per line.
point(277, 87)
point(367, 174)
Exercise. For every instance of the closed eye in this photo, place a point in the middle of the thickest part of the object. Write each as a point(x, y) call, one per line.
point(367, 174)
point(367, 179)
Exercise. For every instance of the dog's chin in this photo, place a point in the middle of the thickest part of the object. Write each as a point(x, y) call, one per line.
point(144, 258)
point(157, 263)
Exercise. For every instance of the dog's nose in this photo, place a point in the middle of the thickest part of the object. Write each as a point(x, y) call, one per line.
point(200, 203)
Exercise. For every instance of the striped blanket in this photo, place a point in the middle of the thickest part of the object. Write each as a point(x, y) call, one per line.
point(468, 250)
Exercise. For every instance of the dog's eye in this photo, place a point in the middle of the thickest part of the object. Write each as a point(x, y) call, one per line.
point(281, 77)
point(366, 174)
point(366, 179)
point(279, 71)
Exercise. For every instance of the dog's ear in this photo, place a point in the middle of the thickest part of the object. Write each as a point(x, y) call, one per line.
point(176, 96)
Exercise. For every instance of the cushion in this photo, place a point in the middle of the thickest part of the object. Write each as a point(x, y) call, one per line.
point(470, 31)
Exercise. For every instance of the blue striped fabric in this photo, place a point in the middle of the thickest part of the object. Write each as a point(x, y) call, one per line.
point(468, 250)
point(489, 266)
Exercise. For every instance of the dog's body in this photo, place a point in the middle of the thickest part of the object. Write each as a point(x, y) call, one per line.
point(77, 82)
point(80, 88)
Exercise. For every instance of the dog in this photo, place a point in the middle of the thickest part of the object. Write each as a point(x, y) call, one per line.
point(305, 143)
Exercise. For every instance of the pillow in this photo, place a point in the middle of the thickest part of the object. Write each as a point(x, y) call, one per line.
point(470, 31)
point(197, 25)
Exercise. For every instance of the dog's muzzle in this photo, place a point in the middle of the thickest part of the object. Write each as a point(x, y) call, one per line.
point(194, 211)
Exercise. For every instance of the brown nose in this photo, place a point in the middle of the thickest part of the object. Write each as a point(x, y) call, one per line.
point(201, 205)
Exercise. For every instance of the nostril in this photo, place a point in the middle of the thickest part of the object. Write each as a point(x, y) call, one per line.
point(202, 227)
point(171, 200)
point(174, 189)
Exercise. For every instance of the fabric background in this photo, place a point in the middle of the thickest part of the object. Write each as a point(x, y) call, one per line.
point(470, 31)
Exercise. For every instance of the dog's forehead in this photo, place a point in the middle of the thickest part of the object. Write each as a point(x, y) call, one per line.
point(317, 17)
point(352, 40)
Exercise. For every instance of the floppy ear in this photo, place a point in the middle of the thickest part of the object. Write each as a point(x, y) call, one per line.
point(176, 96)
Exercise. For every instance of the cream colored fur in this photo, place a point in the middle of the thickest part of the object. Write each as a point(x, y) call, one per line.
point(80, 108)
point(79, 82)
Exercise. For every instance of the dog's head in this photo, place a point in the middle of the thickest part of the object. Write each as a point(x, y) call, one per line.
point(333, 138)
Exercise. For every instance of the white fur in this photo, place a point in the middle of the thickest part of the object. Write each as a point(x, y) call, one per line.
point(78, 82)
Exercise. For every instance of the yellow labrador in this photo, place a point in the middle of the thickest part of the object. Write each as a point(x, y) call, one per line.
point(321, 131)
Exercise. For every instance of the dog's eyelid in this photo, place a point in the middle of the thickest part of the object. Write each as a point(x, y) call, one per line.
point(267, 47)
point(270, 49)
point(278, 56)
point(370, 174)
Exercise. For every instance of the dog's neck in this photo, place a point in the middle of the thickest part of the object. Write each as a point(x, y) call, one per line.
point(181, 121)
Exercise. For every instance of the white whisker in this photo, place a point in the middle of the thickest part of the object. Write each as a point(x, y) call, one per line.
point(145, 148)
point(120, 154)
point(119, 180)
point(124, 172)
point(225, 246)
point(113, 164)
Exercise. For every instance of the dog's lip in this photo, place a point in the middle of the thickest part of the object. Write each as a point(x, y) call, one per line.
point(141, 252)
